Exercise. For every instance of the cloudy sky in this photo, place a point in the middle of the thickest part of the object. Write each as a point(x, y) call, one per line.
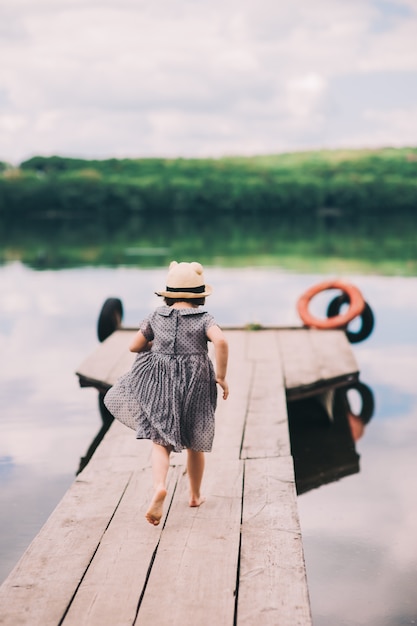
point(99, 78)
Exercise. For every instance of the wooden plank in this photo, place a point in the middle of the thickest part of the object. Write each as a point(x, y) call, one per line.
point(231, 413)
point(334, 352)
point(110, 359)
point(39, 589)
point(193, 578)
point(314, 359)
point(272, 583)
point(111, 589)
point(262, 346)
point(120, 448)
point(266, 430)
point(298, 358)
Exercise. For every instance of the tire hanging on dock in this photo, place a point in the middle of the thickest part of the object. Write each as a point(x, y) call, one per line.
point(110, 318)
point(341, 320)
point(366, 317)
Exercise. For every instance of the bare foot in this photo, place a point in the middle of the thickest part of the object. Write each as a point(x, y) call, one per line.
point(194, 501)
point(156, 508)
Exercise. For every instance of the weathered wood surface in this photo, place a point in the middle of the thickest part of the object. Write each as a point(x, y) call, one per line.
point(193, 579)
point(266, 433)
point(42, 584)
point(272, 575)
point(236, 559)
point(109, 361)
point(315, 360)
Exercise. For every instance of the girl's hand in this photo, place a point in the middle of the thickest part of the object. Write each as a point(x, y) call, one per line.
point(223, 384)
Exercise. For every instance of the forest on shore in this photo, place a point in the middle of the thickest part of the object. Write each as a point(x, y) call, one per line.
point(359, 184)
point(368, 194)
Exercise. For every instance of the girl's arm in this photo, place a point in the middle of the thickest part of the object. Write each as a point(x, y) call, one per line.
point(140, 343)
point(221, 348)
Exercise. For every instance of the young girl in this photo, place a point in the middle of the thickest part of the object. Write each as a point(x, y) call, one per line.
point(171, 389)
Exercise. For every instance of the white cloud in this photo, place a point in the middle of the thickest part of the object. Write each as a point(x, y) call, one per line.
point(99, 78)
point(12, 123)
point(303, 95)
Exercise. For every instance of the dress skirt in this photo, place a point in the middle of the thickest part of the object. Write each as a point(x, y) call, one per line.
point(169, 398)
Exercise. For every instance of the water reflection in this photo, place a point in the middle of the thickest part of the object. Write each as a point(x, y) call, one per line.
point(252, 239)
point(324, 430)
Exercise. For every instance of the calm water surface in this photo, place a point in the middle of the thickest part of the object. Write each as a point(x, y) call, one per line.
point(359, 533)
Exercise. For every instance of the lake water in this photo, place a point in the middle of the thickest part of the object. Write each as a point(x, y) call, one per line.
point(360, 538)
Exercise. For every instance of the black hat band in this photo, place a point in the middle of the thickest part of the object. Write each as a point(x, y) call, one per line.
point(200, 289)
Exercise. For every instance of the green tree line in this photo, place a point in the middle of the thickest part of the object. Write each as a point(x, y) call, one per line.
point(295, 188)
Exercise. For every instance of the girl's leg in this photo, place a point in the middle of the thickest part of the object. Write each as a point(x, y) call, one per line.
point(160, 466)
point(195, 468)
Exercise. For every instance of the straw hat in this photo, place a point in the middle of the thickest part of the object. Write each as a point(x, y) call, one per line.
point(185, 280)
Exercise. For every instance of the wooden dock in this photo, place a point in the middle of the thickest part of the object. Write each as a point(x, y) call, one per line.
point(235, 560)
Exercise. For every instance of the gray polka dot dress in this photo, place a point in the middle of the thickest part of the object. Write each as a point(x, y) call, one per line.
point(170, 393)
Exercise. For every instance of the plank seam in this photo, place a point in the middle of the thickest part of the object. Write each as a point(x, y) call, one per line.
point(239, 548)
point(95, 552)
point(272, 455)
point(153, 557)
point(248, 396)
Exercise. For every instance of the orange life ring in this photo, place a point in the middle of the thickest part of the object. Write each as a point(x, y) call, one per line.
point(356, 305)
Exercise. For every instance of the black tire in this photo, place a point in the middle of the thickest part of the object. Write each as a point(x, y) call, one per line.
point(110, 318)
point(367, 318)
point(367, 398)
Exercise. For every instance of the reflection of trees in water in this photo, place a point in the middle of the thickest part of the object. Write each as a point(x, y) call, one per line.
point(323, 445)
point(153, 239)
